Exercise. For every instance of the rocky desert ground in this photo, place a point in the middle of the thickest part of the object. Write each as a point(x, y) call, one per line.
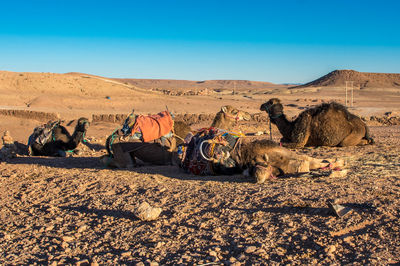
point(74, 211)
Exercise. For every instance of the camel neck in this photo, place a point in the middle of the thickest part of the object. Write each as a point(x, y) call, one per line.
point(283, 124)
point(220, 121)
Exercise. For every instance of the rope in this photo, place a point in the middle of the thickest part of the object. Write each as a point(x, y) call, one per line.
point(270, 118)
point(179, 137)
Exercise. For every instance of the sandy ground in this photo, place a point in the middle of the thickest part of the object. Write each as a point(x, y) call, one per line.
point(74, 211)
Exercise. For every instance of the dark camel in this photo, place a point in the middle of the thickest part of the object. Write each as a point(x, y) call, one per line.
point(61, 141)
point(329, 124)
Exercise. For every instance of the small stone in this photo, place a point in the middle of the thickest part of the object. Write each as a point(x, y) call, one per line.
point(212, 253)
point(82, 263)
point(340, 173)
point(126, 254)
point(67, 238)
point(94, 263)
point(241, 257)
point(82, 228)
point(250, 249)
point(147, 213)
point(331, 249)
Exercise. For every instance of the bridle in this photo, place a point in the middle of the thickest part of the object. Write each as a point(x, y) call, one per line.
point(268, 109)
point(236, 118)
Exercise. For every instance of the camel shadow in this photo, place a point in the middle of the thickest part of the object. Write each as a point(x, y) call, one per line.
point(317, 211)
point(175, 172)
point(60, 162)
point(118, 214)
point(170, 171)
point(95, 147)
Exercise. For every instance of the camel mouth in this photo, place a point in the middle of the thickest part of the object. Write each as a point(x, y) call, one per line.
point(263, 107)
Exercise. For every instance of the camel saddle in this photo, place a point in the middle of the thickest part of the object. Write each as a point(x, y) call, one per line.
point(42, 134)
point(208, 152)
point(152, 127)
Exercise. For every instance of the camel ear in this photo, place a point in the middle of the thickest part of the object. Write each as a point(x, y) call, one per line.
point(224, 109)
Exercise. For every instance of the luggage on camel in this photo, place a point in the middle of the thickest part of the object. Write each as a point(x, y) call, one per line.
point(208, 152)
point(42, 134)
point(149, 127)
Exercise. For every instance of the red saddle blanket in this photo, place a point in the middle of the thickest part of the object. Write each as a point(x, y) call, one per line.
point(153, 126)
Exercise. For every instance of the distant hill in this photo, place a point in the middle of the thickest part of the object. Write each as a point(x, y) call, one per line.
point(362, 80)
point(169, 84)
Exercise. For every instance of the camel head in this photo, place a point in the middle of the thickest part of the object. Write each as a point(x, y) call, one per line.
point(273, 107)
point(83, 124)
point(233, 114)
point(128, 123)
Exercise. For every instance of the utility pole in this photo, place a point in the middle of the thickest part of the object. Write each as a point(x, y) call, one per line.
point(349, 85)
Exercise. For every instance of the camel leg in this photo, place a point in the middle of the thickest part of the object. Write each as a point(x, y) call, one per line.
point(353, 139)
point(122, 159)
point(315, 163)
point(291, 163)
point(356, 136)
point(301, 132)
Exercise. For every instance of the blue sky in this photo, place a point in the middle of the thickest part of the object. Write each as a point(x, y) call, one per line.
point(275, 41)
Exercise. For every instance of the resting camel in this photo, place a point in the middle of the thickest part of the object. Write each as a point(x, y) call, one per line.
point(329, 124)
point(265, 159)
point(123, 154)
point(60, 140)
point(228, 116)
point(216, 152)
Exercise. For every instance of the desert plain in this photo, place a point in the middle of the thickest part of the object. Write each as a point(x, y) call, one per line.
point(73, 210)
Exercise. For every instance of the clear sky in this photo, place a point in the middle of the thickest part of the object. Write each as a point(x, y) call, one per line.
point(276, 41)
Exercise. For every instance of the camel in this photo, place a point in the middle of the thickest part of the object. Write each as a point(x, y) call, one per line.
point(328, 124)
point(59, 141)
point(228, 116)
point(214, 152)
point(264, 159)
point(123, 154)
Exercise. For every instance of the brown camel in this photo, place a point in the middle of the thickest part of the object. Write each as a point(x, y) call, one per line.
point(328, 124)
point(265, 159)
point(123, 154)
point(215, 152)
point(228, 116)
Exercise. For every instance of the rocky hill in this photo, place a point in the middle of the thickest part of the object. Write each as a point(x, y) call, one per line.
point(217, 85)
point(362, 80)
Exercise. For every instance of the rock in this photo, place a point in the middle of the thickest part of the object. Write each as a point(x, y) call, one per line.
point(7, 139)
point(212, 253)
point(82, 263)
point(250, 249)
point(340, 173)
point(147, 213)
point(82, 228)
point(331, 249)
point(126, 254)
point(67, 238)
point(9, 150)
